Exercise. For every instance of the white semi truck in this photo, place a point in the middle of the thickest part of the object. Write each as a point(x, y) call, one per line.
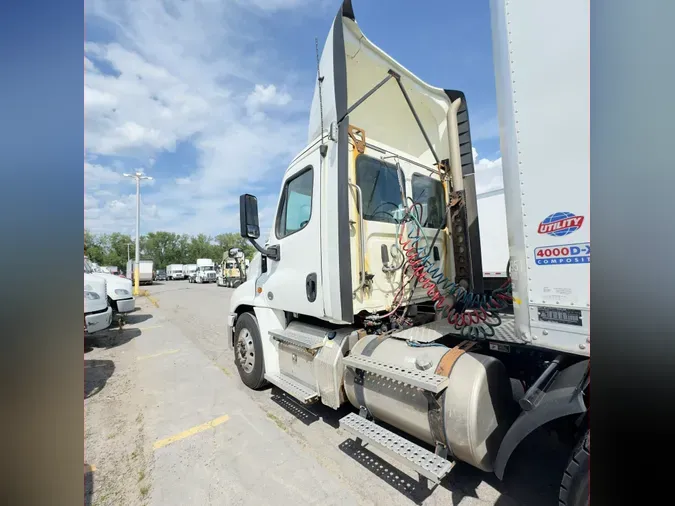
point(97, 310)
point(119, 290)
point(370, 288)
point(189, 270)
point(206, 271)
point(175, 271)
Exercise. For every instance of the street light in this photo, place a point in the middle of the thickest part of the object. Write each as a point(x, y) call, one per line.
point(137, 176)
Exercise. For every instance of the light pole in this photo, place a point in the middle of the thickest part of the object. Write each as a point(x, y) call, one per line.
point(137, 176)
point(128, 255)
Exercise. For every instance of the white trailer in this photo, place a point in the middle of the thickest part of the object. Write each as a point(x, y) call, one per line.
point(175, 271)
point(145, 269)
point(370, 289)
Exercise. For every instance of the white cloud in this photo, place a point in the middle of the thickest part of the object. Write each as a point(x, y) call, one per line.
point(488, 173)
point(187, 72)
point(96, 176)
point(263, 96)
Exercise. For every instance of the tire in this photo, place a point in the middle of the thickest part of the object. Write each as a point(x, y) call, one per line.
point(575, 487)
point(246, 330)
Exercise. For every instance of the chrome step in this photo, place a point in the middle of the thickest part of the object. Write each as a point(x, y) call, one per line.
point(290, 386)
point(300, 339)
point(431, 382)
point(423, 461)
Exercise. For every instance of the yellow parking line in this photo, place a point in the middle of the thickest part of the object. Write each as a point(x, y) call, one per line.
point(91, 469)
point(167, 352)
point(152, 300)
point(191, 432)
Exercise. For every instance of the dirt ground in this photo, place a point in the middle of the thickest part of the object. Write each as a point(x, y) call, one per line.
point(167, 421)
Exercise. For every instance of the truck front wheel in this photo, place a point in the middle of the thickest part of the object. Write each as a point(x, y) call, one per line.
point(575, 487)
point(248, 351)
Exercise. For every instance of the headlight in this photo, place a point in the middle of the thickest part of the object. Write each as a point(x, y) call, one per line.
point(91, 295)
point(121, 291)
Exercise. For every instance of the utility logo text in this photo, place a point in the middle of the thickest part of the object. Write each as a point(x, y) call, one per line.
point(560, 224)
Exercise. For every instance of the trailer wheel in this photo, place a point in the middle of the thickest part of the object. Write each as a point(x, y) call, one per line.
point(575, 486)
point(248, 351)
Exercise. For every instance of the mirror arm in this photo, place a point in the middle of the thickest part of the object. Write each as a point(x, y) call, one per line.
point(272, 252)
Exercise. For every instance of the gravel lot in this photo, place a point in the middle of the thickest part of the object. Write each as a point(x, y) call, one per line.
point(168, 422)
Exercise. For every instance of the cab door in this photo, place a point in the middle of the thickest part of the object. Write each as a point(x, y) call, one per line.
point(293, 283)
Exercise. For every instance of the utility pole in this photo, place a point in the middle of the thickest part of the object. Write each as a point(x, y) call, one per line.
point(128, 255)
point(137, 176)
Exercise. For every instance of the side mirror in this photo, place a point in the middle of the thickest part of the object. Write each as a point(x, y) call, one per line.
point(248, 217)
point(249, 228)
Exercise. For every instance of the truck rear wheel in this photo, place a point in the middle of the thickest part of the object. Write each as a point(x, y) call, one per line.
point(575, 487)
point(248, 351)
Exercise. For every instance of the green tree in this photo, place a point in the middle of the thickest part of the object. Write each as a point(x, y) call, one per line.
point(163, 248)
point(234, 240)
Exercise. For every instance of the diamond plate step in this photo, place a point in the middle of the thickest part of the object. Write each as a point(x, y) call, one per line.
point(301, 339)
point(431, 382)
point(421, 460)
point(290, 386)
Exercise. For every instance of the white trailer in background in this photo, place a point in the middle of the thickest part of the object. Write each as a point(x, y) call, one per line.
point(145, 271)
point(334, 312)
point(494, 240)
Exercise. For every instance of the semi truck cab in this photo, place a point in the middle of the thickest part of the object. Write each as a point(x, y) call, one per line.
point(369, 289)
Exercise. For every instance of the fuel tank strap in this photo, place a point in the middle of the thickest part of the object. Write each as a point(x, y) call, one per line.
point(436, 408)
point(448, 361)
point(367, 351)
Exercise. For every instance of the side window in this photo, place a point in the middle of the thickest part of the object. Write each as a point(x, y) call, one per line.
point(295, 208)
point(429, 192)
point(379, 183)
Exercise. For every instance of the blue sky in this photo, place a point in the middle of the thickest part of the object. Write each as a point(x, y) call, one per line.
point(212, 98)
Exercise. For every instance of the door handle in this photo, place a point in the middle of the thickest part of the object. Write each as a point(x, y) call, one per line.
point(310, 287)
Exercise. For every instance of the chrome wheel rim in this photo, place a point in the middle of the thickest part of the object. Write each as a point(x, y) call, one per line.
point(246, 351)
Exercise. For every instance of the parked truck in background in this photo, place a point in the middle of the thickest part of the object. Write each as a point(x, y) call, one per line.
point(232, 269)
point(145, 270)
point(494, 239)
point(206, 272)
point(119, 290)
point(97, 310)
point(370, 288)
point(175, 271)
point(189, 270)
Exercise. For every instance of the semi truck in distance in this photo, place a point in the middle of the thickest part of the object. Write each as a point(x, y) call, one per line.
point(189, 270)
point(232, 269)
point(175, 271)
point(371, 290)
point(205, 272)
